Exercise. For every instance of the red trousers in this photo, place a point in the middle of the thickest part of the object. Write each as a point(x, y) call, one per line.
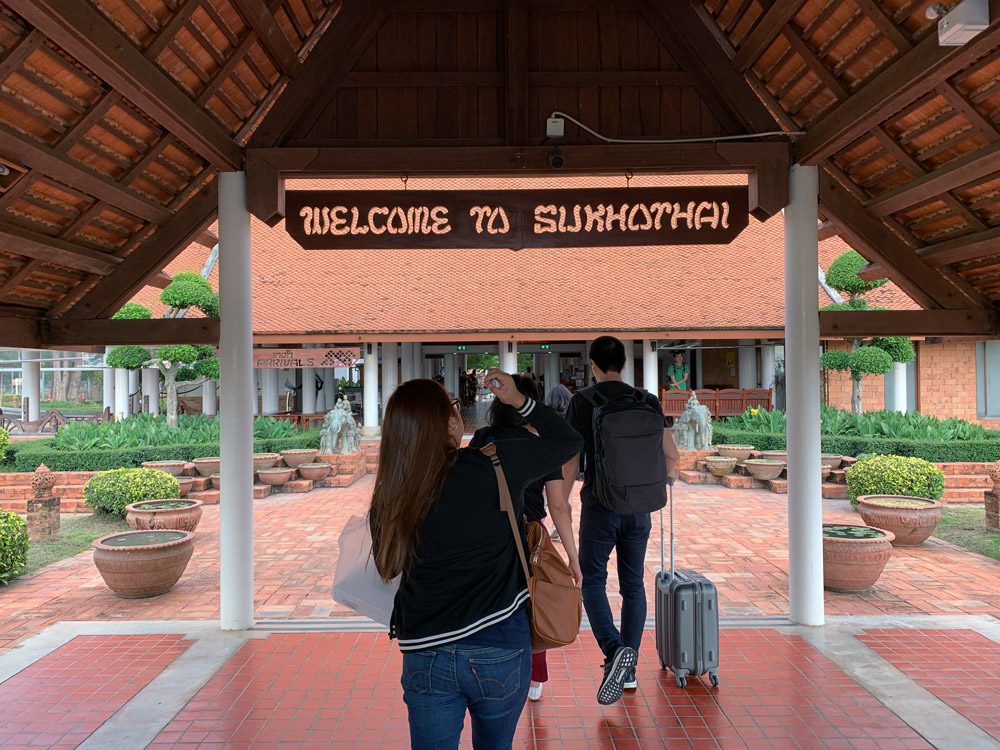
point(539, 668)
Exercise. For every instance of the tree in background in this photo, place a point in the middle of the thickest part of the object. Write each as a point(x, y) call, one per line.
point(130, 356)
point(874, 356)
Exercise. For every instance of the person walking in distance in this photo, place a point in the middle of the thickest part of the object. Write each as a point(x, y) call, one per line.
point(628, 459)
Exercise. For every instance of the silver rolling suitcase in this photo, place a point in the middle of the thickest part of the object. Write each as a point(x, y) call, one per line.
point(687, 617)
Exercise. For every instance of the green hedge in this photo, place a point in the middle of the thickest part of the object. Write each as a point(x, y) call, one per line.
point(27, 456)
point(13, 546)
point(894, 475)
point(112, 491)
point(848, 445)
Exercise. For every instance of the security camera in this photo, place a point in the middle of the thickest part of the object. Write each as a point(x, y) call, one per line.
point(556, 158)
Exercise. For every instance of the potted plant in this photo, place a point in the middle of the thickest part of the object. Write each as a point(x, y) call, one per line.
point(314, 471)
point(182, 515)
point(112, 491)
point(910, 519)
point(764, 469)
point(739, 452)
point(720, 466)
point(138, 564)
point(854, 556)
point(894, 475)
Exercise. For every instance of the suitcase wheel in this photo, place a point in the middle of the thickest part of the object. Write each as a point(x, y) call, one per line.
point(681, 681)
point(714, 679)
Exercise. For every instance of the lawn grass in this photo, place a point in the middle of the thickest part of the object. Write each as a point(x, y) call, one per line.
point(76, 533)
point(966, 527)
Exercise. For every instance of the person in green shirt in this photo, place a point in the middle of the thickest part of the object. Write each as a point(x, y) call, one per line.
point(678, 376)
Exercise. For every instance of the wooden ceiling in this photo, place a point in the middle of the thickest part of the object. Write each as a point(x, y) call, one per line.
point(117, 115)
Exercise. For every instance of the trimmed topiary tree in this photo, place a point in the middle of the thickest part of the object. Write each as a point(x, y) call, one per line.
point(866, 357)
point(13, 546)
point(169, 360)
point(894, 475)
point(111, 491)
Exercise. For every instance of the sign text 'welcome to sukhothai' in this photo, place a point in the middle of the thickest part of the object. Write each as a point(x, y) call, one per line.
point(709, 215)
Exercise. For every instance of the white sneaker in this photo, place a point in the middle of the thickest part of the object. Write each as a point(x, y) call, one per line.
point(535, 691)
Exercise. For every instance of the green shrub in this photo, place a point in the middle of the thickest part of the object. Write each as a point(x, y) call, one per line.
point(894, 475)
point(13, 546)
point(869, 360)
point(843, 274)
point(3, 443)
point(111, 491)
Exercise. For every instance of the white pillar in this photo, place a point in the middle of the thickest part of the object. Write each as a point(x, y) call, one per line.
point(308, 390)
point(699, 378)
point(508, 356)
point(767, 366)
point(748, 363)
point(552, 372)
point(370, 391)
point(269, 391)
point(406, 362)
point(628, 372)
point(255, 386)
point(209, 398)
point(236, 376)
point(390, 370)
point(133, 390)
point(151, 390)
point(121, 393)
point(451, 373)
point(899, 387)
point(805, 502)
point(31, 385)
point(418, 360)
point(108, 384)
point(650, 367)
point(329, 388)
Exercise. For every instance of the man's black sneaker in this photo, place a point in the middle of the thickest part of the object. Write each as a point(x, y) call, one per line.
point(630, 682)
point(616, 669)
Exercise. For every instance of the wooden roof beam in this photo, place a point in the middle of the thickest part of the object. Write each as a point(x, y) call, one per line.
point(80, 29)
point(962, 249)
point(261, 19)
point(160, 281)
point(64, 333)
point(910, 76)
point(768, 27)
point(56, 251)
point(855, 323)
point(928, 287)
point(18, 331)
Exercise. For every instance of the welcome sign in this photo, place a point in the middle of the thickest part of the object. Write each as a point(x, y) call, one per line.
point(326, 219)
point(286, 359)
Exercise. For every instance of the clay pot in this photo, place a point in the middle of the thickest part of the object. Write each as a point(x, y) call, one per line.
point(833, 459)
point(186, 484)
point(275, 476)
point(775, 456)
point(314, 471)
point(137, 564)
point(265, 460)
point(739, 452)
point(854, 563)
point(182, 515)
point(720, 466)
point(297, 457)
point(763, 469)
point(910, 519)
point(173, 468)
point(216, 481)
point(824, 470)
point(207, 466)
point(995, 476)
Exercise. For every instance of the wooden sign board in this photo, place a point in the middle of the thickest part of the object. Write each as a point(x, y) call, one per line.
point(291, 359)
point(326, 219)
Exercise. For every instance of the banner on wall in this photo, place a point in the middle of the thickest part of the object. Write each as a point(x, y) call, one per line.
point(291, 359)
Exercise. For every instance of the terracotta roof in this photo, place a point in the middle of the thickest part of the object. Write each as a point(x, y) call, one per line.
point(359, 292)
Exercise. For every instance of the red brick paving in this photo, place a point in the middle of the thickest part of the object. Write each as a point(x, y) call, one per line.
point(738, 537)
point(959, 667)
point(62, 698)
point(778, 692)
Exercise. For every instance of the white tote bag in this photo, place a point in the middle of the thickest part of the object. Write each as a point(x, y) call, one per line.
point(356, 582)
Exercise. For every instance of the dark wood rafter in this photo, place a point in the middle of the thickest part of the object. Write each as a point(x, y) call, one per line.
point(261, 19)
point(978, 323)
point(77, 27)
point(516, 72)
point(103, 332)
point(769, 26)
point(53, 250)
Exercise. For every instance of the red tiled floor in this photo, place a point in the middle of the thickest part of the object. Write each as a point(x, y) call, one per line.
point(62, 698)
point(960, 667)
point(777, 692)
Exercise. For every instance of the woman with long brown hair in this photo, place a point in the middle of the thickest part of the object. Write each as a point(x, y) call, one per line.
point(459, 615)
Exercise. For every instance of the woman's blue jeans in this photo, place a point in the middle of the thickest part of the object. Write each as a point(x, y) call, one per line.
point(439, 685)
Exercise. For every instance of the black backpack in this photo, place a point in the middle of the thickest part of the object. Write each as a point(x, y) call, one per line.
point(630, 472)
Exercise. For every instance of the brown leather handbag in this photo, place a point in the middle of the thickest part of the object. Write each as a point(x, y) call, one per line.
point(556, 602)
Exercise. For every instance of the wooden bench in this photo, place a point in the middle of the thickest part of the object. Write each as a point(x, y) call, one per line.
point(727, 402)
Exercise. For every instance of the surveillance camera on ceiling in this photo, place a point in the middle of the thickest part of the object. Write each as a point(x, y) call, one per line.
point(962, 23)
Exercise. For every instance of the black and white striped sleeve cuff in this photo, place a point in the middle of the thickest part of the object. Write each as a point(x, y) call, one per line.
point(528, 407)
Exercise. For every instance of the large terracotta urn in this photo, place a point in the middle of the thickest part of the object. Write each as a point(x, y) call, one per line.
point(833, 460)
point(137, 564)
point(775, 456)
point(720, 466)
point(854, 556)
point(995, 476)
point(298, 456)
point(314, 471)
point(207, 466)
point(910, 519)
point(275, 476)
point(186, 485)
point(182, 515)
point(739, 452)
point(173, 468)
point(265, 460)
point(763, 469)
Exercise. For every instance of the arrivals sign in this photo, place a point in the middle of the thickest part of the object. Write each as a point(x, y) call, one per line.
point(291, 359)
point(326, 219)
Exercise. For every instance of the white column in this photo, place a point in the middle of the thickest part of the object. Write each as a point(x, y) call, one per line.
point(747, 363)
point(805, 502)
point(151, 390)
point(209, 398)
point(308, 390)
point(406, 362)
point(451, 373)
point(767, 366)
point(650, 367)
point(628, 372)
point(418, 360)
point(370, 391)
point(899, 387)
point(551, 372)
point(236, 377)
point(508, 356)
point(108, 384)
point(31, 385)
point(269, 391)
point(255, 390)
point(133, 390)
point(121, 393)
point(390, 370)
point(330, 387)
point(699, 379)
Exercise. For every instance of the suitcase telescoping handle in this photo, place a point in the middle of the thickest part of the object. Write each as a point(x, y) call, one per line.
point(663, 561)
